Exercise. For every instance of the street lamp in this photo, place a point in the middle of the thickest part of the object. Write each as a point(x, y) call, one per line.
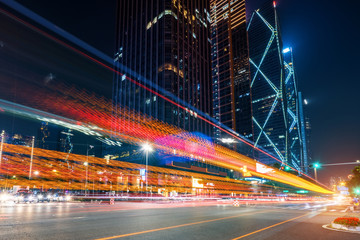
point(86, 164)
point(146, 147)
point(31, 156)
point(316, 166)
point(1, 145)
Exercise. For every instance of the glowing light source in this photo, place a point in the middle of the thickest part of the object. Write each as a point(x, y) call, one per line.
point(227, 140)
point(306, 102)
point(286, 50)
point(147, 147)
point(317, 165)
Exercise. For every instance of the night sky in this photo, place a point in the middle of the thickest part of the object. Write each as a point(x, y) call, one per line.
point(325, 39)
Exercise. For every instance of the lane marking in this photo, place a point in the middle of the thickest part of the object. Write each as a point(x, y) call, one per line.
point(181, 225)
point(277, 224)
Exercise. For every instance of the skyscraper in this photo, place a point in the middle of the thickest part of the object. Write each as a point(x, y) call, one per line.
point(304, 124)
point(268, 89)
point(295, 140)
point(230, 67)
point(166, 42)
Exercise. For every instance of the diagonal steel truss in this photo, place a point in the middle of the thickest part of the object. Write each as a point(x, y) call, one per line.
point(293, 111)
point(276, 89)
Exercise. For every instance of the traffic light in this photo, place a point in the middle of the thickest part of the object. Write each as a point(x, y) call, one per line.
point(317, 165)
point(287, 168)
point(357, 190)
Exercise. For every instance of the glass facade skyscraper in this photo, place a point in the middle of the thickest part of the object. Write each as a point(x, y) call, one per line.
point(230, 67)
point(295, 140)
point(268, 88)
point(304, 135)
point(166, 42)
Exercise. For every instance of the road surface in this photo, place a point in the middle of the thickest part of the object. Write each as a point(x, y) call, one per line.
point(126, 220)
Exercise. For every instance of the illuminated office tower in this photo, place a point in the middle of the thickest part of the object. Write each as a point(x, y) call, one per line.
point(268, 89)
point(167, 43)
point(230, 67)
point(295, 139)
point(305, 130)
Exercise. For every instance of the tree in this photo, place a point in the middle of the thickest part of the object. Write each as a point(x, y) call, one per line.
point(354, 182)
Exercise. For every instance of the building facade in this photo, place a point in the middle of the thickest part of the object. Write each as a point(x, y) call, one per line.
point(295, 140)
point(166, 42)
point(230, 67)
point(304, 125)
point(268, 88)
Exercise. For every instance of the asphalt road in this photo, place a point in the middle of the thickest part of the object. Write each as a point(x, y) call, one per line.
point(168, 221)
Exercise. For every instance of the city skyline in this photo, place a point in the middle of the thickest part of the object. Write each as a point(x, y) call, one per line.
point(323, 147)
point(179, 119)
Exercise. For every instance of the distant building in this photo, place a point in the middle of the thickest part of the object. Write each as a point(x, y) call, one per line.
point(304, 124)
point(230, 68)
point(268, 88)
point(308, 131)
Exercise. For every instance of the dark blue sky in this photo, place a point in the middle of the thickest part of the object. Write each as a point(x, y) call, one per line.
point(325, 39)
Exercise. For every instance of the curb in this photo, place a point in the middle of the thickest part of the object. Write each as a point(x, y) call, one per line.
point(328, 226)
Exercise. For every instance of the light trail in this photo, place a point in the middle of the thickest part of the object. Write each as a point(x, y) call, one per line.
point(109, 174)
point(134, 128)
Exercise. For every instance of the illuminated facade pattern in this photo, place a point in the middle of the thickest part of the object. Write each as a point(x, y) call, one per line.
point(304, 136)
point(268, 88)
point(230, 67)
point(295, 139)
point(167, 43)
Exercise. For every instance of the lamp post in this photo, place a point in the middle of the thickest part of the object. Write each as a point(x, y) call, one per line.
point(86, 164)
point(31, 156)
point(1, 146)
point(316, 166)
point(147, 148)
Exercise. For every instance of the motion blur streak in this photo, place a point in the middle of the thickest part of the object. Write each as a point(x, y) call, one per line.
point(135, 128)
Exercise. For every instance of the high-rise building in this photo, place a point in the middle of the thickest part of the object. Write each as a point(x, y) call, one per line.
point(304, 125)
point(230, 67)
point(268, 88)
point(166, 42)
point(295, 140)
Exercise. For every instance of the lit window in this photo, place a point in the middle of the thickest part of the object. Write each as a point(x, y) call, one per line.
point(171, 67)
